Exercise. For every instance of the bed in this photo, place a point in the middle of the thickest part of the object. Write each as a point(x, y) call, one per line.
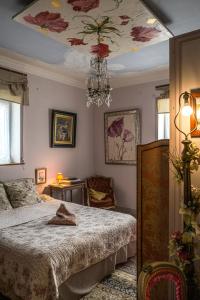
point(48, 262)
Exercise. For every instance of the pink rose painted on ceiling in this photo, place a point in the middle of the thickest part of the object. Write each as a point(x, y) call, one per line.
point(124, 17)
point(46, 20)
point(101, 50)
point(76, 42)
point(124, 22)
point(84, 5)
point(144, 34)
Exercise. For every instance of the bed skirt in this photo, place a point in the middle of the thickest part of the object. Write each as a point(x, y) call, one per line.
point(83, 282)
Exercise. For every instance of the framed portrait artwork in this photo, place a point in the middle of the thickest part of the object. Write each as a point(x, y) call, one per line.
point(63, 129)
point(122, 135)
point(40, 175)
point(196, 110)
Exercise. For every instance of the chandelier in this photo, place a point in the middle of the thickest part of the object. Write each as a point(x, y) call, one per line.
point(98, 86)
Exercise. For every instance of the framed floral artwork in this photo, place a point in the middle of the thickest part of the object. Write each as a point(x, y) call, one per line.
point(63, 129)
point(122, 135)
point(196, 109)
point(40, 175)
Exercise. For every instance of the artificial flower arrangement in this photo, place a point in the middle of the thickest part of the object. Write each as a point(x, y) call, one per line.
point(182, 244)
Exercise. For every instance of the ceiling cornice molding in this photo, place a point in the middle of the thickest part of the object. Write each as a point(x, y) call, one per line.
point(156, 74)
point(20, 63)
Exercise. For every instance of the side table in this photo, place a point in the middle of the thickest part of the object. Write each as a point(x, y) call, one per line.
point(63, 188)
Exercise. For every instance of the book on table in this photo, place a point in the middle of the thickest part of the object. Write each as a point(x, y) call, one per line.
point(71, 180)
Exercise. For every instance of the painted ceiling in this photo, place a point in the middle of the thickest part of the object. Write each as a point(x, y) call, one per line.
point(179, 16)
point(102, 27)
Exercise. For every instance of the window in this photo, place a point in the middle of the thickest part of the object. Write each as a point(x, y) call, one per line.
point(10, 132)
point(163, 119)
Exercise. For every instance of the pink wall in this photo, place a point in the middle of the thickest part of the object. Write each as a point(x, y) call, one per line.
point(44, 95)
point(138, 96)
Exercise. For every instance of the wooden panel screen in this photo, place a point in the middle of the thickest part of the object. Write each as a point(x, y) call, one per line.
point(152, 202)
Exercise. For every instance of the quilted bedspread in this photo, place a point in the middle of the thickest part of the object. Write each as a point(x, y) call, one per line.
point(36, 258)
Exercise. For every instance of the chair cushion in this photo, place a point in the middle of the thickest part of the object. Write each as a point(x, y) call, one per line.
point(4, 201)
point(97, 195)
point(21, 192)
point(107, 202)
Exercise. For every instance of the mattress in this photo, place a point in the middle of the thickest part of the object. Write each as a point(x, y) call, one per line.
point(36, 259)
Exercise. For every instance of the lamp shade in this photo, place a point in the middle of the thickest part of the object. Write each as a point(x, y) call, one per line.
point(59, 177)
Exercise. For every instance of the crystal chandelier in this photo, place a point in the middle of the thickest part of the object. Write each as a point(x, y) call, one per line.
point(98, 86)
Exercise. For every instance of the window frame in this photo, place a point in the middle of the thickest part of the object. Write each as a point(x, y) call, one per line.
point(157, 114)
point(165, 138)
point(21, 138)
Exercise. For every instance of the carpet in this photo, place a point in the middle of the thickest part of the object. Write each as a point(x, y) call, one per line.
point(120, 285)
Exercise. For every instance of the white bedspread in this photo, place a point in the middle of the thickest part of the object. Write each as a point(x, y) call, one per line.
point(36, 258)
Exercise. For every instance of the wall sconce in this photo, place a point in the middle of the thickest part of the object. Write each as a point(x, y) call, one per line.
point(186, 110)
point(59, 177)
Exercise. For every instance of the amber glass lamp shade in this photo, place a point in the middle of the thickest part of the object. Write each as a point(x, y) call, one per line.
point(59, 177)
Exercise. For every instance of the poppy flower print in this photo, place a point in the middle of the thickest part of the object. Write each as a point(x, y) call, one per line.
point(144, 34)
point(101, 50)
point(121, 136)
point(125, 19)
point(116, 128)
point(76, 42)
point(127, 136)
point(105, 28)
point(84, 5)
point(46, 20)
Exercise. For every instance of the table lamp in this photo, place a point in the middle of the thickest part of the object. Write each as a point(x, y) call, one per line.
point(59, 177)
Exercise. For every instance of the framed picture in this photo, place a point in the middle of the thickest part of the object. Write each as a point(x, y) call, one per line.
point(122, 135)
point(196, 109)
point(40, 175)
point(63, 129)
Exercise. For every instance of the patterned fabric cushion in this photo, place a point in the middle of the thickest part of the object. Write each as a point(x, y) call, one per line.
point(21, 192)
point(4, 202)
point(106, 202)
point(97, 195)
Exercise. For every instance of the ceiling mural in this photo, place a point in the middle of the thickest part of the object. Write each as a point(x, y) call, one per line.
point(101, 27)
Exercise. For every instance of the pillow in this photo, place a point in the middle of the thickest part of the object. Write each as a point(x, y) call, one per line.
point(97, 195)
point(4, 202)
point(21, 192)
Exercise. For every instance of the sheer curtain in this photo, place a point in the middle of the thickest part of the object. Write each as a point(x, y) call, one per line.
point(163, 116)
point(13, 96)
point(10, 142)
point(15, 130)
point(4, 132)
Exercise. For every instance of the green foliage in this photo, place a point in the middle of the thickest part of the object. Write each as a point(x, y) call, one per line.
point(182, 244)
point(192, 156)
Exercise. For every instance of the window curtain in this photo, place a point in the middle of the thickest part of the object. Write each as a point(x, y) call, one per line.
point(163, 99)
point(4, 130)
point(13, 87)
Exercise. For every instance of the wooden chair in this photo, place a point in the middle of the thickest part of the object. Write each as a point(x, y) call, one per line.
point(157, 272)
point(103, 185)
